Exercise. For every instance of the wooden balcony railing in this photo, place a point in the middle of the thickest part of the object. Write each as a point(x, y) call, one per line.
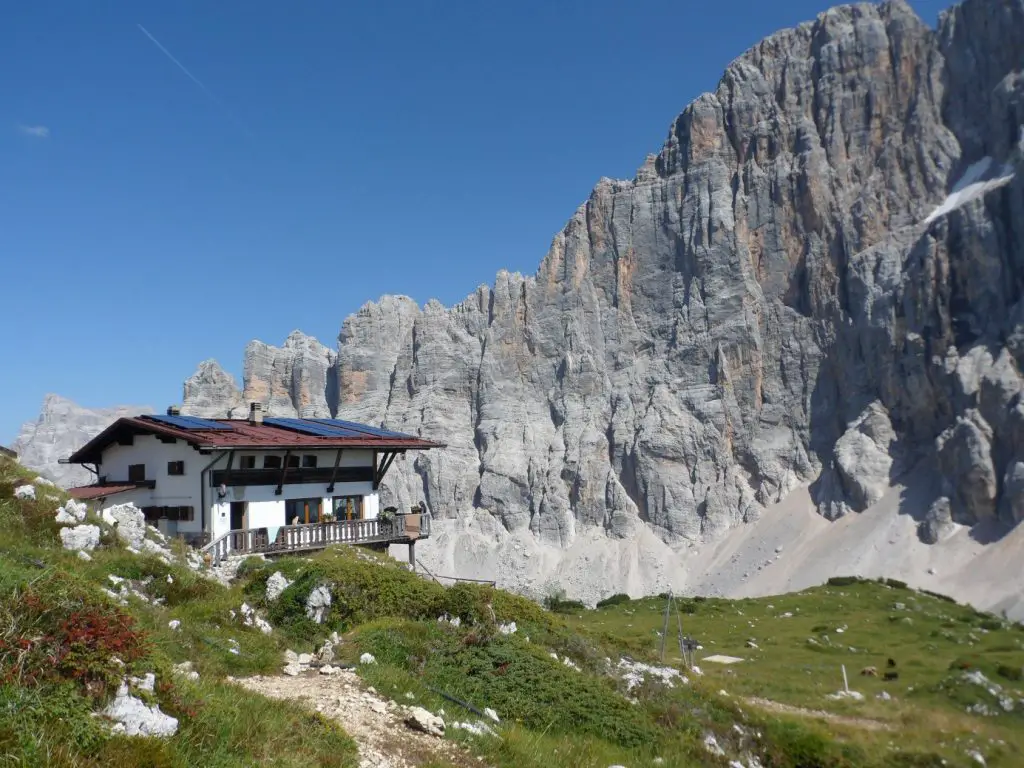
point(303, 538)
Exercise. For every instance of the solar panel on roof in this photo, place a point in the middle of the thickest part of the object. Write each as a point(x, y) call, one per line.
point(364, 428)
point(188, 422)
point(308, 427)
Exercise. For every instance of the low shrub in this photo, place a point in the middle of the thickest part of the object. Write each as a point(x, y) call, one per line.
point(844, 581)
point(803, 745)
point(1010, 673)
point(516, 678)
point(56, 630)
point(616, 599)
point(937, 595)
point(555, 605)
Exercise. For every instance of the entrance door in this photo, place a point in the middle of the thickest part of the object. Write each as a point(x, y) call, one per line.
point(237, 515)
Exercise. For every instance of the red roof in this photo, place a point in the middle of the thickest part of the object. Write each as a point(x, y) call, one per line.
point(86, 492)
point(242, 434)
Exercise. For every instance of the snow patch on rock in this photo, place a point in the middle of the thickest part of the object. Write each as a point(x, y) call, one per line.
point(979, 179)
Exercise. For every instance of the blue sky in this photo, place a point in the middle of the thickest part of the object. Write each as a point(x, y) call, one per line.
point(339, 151)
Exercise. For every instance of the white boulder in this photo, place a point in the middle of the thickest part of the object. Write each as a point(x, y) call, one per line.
point(326, 652)
point(185, 670)
point(420, 719)
point(81, 537)
point(25, 492)
point(145, 683)
point(83, 555)
point(318, 603)
point(174, 624)
point(276, 584)
point(128, 522)
point(367, 658)
point(251, 619)
point(63, 517)
point(136, 718)
point(72, 512)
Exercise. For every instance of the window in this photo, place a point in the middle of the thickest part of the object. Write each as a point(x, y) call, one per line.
point(248, 462)
point(293, 462)
point(271, 462)
point(302, 511)
point(176, 514)
point(309, 461)
point(136, 473)
point(175, 467)
point(348, 507)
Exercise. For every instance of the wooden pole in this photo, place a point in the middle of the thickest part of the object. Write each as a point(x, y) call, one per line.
point(664, 629)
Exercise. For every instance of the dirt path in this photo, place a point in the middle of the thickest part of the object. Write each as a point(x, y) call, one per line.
point(376, 724)
point(787, 709)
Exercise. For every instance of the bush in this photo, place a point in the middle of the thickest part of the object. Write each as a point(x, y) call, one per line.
point(938, 596)
point(516, 678)
point(896, 584)
point(616, 599)
point(56, 630)
point(1010, 673)
point(844, 581)
point(800, 745)
point(558, 605)
point(992, 625)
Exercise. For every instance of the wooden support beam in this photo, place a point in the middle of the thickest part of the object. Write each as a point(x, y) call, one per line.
point(227, 470)
point(334, 472)
point(385, 465)
point(284, 472)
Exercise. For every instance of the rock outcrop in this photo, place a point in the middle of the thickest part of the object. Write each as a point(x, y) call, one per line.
point(61, 428)
point(297, 379)
point(211, 392)
point(788, 292)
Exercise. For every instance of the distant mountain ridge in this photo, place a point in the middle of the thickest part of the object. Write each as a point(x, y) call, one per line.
point(62, 427)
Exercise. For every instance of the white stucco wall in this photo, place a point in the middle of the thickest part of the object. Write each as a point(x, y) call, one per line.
point(171, 490)
point(264, 507)
point(267, 510)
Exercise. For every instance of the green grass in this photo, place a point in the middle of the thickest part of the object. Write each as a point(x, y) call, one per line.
point(65, 644)
point(552, 714)
point(798, 659)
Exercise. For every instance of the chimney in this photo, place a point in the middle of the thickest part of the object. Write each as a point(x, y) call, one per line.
point(255, 413)
point(173, 410)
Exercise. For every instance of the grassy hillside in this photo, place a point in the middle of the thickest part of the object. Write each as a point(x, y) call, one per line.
point(556, 681)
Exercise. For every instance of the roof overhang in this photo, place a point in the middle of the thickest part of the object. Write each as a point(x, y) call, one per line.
point(248, 437)
point(103, 490)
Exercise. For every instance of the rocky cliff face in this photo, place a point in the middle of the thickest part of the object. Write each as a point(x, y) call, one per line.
point(817, 280)
point(62, 428)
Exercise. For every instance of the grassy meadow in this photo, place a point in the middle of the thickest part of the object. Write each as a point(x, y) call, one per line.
point(67, 639)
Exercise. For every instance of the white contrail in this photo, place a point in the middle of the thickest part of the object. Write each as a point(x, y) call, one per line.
point(196, 80)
